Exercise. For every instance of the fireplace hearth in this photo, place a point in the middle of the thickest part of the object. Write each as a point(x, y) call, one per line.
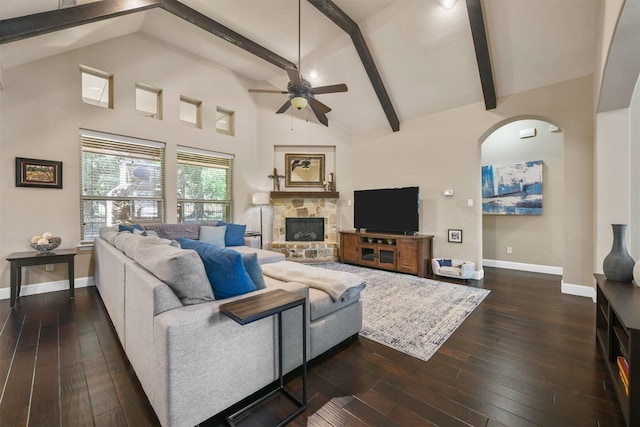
point(304, 229)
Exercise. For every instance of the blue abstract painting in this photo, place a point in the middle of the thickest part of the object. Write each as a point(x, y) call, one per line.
point(512, 189)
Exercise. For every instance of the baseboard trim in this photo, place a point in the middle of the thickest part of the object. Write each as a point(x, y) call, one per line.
point(534, 268)
point(478, 275)
point(578, 290)
point(43, 288)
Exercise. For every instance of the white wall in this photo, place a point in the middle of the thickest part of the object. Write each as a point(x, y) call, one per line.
point(42, 112)
point(442, 151)
point(296, 130)
point(534, 239)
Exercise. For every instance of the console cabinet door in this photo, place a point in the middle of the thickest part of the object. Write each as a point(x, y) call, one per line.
point(349, 248)
point(408, 255)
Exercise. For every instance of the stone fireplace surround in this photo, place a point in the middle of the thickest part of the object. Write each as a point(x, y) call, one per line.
point(305, 204)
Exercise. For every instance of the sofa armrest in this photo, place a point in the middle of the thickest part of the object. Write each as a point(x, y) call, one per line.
point(198, 351)
point(468, 269)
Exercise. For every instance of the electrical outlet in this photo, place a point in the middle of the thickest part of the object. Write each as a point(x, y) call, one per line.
point(509, 250)
point(48, 267)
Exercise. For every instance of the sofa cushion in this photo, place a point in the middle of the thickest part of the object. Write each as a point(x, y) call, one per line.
point(109, 234)
point(213, 235)
point(224, 267)
point(321, 304)
point(127, 242)
point(251, 264)
point(176, 231)
point(180, 269)
point(264, 257)
point(235, 234)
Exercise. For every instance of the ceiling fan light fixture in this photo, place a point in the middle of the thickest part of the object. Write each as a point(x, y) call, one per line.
point(299, 102)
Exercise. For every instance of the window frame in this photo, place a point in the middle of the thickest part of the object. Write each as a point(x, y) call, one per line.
point(154, 91)
point(147, 153)
point(211, 159)
point(198, 106)
point(231, 115)
point(100, 74)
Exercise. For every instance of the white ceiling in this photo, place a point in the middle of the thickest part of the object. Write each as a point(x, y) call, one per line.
point(425, 54)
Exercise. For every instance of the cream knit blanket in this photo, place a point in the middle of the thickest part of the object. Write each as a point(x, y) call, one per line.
point(339, 285)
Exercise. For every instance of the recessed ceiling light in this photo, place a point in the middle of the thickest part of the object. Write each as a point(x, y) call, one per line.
point(447, 4)
point(313, 74)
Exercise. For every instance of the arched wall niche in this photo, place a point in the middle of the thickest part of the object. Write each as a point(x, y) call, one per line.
point(527, 242)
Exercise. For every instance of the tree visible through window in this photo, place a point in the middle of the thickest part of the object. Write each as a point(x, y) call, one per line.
point(205, 185)
point(122, 182)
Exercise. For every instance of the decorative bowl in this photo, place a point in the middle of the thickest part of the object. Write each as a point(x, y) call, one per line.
point(54, 242)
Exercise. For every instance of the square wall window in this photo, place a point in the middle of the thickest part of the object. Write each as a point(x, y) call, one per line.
point(149, 101)
point(97, 87)
point(225, 121)
point(190, 112)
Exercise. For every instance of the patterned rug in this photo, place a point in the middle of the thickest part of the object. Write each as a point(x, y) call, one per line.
point(408, 313)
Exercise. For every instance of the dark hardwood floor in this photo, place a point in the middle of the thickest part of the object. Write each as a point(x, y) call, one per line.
point(526, 356)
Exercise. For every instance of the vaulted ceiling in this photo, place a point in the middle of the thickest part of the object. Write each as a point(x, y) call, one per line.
point(423, 53)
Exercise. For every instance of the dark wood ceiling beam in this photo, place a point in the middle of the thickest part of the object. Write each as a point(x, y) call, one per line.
point(15, 29)
point(196, 18)
point(23, 27)
point(479, 34)
point(348, 25)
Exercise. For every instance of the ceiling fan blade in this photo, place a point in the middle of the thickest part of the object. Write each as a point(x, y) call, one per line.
point(320, 115)
point(267, 91)
point(317, 105)
point(294, 76)
point(284, 107)
point(329, 89)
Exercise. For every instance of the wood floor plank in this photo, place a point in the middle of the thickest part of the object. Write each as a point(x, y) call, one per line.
point(526, 356)
point(101, 389)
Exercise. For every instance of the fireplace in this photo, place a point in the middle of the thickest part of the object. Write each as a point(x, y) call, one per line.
point(304, 229)
point(321, 208)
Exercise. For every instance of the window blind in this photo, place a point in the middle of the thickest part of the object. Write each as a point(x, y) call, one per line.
point(122, 181)
point(205, 185)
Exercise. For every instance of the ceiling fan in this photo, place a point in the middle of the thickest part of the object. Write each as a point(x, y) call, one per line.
point(300, 91)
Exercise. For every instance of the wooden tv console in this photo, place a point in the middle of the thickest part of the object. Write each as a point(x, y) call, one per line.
point(395, 252)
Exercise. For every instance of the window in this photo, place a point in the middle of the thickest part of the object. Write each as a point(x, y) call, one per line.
point(122, 182)
point(149, 101)
point(205, 185)
point(225, 121)
point(190, 113)
point(97, 87)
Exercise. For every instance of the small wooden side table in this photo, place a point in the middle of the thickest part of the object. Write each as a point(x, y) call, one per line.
point(258, 307)
point(25, 259)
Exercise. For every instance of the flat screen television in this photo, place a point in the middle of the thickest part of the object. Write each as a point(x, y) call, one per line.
point(387, 210)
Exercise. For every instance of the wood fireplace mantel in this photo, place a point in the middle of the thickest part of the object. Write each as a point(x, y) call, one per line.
point(304, 195)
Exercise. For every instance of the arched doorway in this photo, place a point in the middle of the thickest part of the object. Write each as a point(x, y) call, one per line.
point(516, 234)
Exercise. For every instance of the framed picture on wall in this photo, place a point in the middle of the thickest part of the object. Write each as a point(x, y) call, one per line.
point(38, 173)
point(304, 170)
point(455, 236)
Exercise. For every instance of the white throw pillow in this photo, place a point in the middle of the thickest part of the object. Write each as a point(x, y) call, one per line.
point(213, 235)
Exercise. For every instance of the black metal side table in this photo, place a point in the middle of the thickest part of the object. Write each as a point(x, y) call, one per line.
point(25, 259)
point(258, 307)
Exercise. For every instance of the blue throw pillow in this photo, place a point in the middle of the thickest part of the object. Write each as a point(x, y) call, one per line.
point(251, 264)
point(444, 262)
point(224, 267)
point(234, 235)
point(133, 228)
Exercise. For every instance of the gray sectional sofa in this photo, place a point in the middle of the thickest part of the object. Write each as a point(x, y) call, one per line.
point(192, 361)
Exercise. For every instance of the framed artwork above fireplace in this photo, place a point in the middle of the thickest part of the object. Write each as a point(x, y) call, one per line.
point(304, 170)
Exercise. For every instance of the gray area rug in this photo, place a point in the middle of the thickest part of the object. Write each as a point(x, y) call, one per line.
point(408, 313)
